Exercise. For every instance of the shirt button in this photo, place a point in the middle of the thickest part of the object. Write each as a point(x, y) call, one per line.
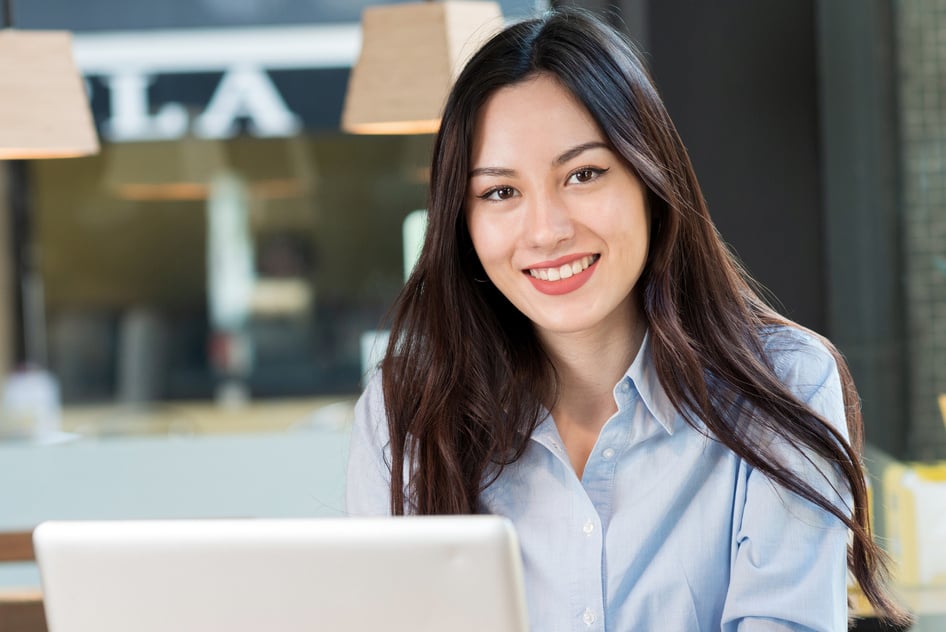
point(624, 387)
point(608, 453)
point(589, 617)
point(589, 527)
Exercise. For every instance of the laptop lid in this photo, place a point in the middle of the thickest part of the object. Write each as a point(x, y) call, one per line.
point(457, 573)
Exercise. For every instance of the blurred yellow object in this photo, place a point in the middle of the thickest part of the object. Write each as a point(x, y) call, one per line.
point(915, 518)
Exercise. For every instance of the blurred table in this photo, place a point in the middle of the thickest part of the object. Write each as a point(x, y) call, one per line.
point(184, 461)
point(206, 417)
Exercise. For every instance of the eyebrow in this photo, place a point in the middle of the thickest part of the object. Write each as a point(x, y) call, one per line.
point(578, 150)
point(492, 171)
point(560, 160)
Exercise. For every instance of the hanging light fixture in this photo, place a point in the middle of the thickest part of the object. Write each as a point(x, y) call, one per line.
point(44, 109)
point(410, 56)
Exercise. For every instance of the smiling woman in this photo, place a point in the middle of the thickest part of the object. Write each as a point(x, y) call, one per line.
point(578, 351)
point(559, 221)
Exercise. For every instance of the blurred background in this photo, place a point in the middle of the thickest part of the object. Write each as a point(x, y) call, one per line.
point(187, 317)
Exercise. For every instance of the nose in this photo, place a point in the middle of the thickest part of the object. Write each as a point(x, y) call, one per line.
point(547, 222)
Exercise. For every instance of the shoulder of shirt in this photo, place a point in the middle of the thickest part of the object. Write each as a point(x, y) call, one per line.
point(370, 409)
point(374, 384)
point(804, 363)
point(797, 354)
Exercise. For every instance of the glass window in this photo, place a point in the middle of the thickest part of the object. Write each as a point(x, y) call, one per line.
point(195, 269)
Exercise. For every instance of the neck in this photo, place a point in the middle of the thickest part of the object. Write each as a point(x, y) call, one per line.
point(589, 363)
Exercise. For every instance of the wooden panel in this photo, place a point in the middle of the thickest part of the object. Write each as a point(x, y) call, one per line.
point(22, 612)
point(16, 546)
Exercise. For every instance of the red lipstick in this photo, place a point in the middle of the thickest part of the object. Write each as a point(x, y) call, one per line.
point(562, 286)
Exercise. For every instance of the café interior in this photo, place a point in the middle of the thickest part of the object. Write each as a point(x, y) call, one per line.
point(197, 264)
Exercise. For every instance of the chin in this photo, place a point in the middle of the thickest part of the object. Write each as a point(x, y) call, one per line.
point(570, 326)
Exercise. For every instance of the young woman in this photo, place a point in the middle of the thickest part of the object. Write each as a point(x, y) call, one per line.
point(578, 351)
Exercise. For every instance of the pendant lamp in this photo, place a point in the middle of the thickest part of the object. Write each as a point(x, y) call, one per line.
point(410, 56)
point(44, 109)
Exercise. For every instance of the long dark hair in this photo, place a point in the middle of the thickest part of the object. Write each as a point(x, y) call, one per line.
point(465, 377)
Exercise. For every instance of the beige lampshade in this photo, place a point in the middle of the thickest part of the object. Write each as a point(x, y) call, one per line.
point(410, 56)
point(44, 109)
point(164, 170)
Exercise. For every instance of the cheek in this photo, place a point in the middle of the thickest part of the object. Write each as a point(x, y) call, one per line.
point(487, 240)
point(637, 228)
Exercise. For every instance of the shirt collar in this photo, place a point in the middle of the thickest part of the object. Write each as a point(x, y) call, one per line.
point(643, 376)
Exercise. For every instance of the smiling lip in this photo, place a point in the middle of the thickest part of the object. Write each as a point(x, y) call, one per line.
point(555, 285)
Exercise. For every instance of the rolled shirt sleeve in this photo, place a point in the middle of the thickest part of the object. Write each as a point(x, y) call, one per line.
point(789, 568)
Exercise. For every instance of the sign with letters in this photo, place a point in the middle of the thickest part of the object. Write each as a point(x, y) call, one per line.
point(154, 85)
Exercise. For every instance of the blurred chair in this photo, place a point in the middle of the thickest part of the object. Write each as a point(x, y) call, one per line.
point(21, 610)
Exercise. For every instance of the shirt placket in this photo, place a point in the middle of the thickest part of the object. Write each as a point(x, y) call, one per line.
point(586, 538)
point(598, 487)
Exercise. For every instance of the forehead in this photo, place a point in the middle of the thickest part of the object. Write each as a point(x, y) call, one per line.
point(533, 117)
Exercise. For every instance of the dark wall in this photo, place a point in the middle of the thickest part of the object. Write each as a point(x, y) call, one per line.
point(740, 82)
point(863, 201)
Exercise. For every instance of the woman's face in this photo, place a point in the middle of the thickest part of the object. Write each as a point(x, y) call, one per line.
point(558, 220)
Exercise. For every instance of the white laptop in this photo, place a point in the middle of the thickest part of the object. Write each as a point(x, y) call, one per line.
point(437, 574)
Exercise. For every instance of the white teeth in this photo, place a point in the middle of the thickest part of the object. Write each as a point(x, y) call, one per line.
point(564, 272)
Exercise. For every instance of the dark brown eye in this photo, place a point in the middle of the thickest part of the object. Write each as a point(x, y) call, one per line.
point(584, 175)
point(499, 193)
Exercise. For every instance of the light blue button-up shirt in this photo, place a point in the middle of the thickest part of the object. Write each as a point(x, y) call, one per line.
point(666, 529)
